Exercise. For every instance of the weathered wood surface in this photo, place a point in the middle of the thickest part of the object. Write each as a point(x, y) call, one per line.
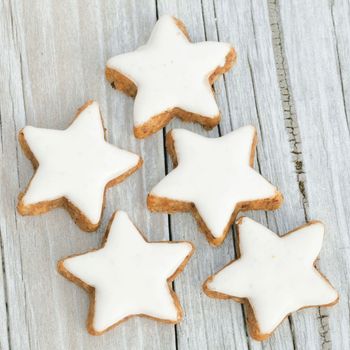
point(318, 72)
point(291, 81)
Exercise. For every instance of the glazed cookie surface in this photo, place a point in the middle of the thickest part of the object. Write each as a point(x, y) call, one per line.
point(170, 76)
point(214, 179)
point(273, 276)
point(128, 276)
point(73, 168)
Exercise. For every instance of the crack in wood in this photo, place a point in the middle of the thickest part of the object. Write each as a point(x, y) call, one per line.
point(287, 103)
point(25, 296)
point(339, 63)
point(223, 76)
point(255, 100)
point(258, 119)
point(292, 128)
point(323, 316)
point(5, 288)
point(13, 37)
point(291, 325)
point(2, 252)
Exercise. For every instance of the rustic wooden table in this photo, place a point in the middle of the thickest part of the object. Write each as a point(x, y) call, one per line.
point(291, 81)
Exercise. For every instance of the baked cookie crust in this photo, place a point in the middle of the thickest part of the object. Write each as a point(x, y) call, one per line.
point(157, 203)
point(44, 206)
point(91, 290)
point(251, 319)
point(121, 82)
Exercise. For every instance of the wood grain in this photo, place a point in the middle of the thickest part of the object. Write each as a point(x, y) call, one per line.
point(12, 113)
point(4, 33)
point(291, 81)
point(312, 45)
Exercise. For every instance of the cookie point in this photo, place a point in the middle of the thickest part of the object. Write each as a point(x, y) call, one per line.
point(166, 16)
point(316, 223)
point(336, 297)
point(91, 101)
point(60, 265)
point(93, 331)
point(207, 285)
point(190, 247)
point(120, 214)
point(252, 127)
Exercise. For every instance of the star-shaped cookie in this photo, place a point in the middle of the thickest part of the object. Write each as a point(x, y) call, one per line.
point(73, 168)
point(273, 276)
point(170, 76)
point(128, 276)
point(213, 178)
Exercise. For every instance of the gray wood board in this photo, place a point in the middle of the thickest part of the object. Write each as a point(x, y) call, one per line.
point(315, 47)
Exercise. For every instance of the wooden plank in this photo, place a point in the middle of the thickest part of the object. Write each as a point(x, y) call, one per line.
point(12, 112)
point(340, 18)
point(315, 46)
point(57, 63)
point(5, 44)
point(254, 97)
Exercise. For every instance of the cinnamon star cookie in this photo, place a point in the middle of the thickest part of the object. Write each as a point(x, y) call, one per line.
point(73, 168)
point(273, 276)
point(170, 76)
point(128, 276)
point(214, 179)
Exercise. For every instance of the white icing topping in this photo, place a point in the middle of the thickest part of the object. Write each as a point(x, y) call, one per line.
point(75, 163)
point(129, 274)
point(169, 72)
point(276, 274)
point(215, 175)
